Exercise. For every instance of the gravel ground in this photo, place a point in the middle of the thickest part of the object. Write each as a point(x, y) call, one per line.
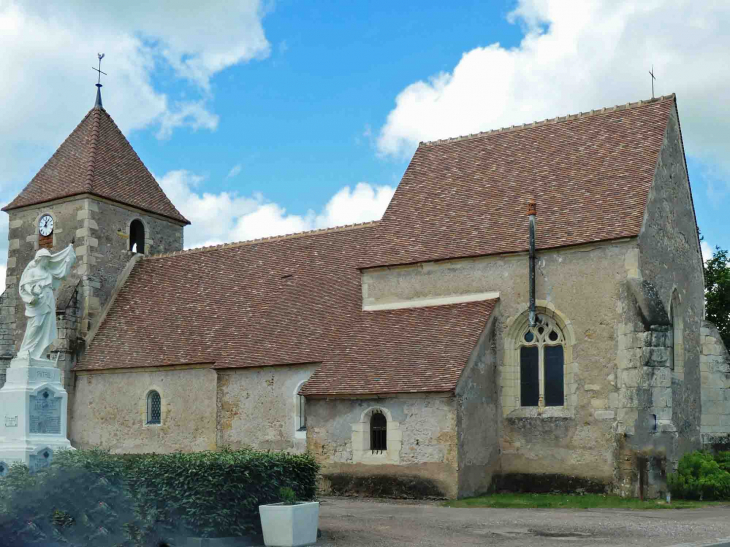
point(355, 522)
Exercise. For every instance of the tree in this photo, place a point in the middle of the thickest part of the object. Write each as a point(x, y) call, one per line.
point(717, 292)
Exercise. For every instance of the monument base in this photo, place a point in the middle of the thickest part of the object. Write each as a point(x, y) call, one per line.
point(33, 407)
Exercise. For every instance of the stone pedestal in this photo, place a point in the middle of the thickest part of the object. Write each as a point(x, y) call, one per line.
point(33, 407)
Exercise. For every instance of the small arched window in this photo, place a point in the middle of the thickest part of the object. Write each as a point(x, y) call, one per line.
point(378, 432)
point(154, 408)
point(542, 363)
point(136, 236)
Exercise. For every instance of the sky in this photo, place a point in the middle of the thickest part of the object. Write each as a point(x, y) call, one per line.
point(263, 118)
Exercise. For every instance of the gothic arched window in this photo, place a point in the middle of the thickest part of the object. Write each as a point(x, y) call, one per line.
point(136, 236)
point(542, 364)
point(378, 432)
point(154, 408)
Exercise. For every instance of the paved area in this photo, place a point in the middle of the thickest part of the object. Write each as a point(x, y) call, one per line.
point(355, 522)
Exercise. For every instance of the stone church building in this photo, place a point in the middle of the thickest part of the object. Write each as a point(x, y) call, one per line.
point(399, 352)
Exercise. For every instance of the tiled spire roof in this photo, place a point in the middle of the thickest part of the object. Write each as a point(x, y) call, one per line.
point(97, 159)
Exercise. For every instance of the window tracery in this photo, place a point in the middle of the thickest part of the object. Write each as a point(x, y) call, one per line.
point(542, 364)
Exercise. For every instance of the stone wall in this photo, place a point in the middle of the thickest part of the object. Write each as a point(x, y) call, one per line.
point(582, 285)
point(257, 407)
point(715, 371)
point(479, 415)
point(422, 456)
point(109, 410)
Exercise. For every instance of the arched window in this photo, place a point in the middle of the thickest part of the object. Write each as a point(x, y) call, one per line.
point(542, 364)
point(301, 413)
point(154, 408)
point(378, 432)
point(136, 236)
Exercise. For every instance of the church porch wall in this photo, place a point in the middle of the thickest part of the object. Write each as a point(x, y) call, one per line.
point(109, 410)
point(422, 456)
point(257, 407)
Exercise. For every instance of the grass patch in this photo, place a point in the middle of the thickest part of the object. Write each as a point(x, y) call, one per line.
point(574, 501)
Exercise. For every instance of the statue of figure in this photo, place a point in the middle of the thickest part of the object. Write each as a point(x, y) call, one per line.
point(40, 278)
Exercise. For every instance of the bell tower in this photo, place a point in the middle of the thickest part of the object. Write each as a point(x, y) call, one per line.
point(96, 194)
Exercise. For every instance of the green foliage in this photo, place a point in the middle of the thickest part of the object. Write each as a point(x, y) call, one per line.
point(287, 496)
point(93, 498)
point(717, 292)
point(570, 501)
point(700, 476)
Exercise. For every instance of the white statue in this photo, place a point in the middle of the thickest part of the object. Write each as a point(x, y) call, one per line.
point(40, 278)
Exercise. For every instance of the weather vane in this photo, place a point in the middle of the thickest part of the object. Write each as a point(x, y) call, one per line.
point(98, 82)
point(652, 80)
point(101, 56)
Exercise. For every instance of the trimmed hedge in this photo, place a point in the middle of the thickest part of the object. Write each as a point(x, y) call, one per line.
point(91, 497)
point(702, 476)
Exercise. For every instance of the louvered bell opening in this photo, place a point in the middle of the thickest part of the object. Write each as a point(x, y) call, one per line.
point(378, 433)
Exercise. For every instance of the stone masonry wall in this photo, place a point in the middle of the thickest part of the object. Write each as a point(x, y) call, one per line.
point(715, 370)
point(582, 285)
point(257, 407)
point(109, 410)
point(479, 410)
point(422, 456)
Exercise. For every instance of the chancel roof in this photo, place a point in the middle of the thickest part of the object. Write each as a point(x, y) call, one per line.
point(97, 159)
point(298, 299)
point(589, 173)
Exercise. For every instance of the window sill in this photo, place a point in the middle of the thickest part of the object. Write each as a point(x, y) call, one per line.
point(546, 412)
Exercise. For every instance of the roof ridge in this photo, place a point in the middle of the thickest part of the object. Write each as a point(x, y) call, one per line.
point(319, 231)
point(557, 119)
point(116, 127)
point(94, 138)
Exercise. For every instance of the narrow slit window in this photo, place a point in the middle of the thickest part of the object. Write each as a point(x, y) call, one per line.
point(154, 408)
point(302, 403)
point(378, 432)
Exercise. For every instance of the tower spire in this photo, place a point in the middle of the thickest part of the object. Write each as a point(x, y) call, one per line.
point(98, 82)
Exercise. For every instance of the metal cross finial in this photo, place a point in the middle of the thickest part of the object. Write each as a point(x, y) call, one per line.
point(652, 80)
point(101, 56)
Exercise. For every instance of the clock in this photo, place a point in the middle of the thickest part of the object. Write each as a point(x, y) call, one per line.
point(45, 225)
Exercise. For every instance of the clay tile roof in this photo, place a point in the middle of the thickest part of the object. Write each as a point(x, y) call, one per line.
point(257, 303)
point(590, 174)
point(402, 351)
point(97, 159)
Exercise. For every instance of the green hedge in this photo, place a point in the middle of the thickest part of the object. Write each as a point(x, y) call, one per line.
point(135, 500)
point(702, 476)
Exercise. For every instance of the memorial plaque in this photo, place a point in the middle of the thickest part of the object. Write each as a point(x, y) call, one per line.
point(45, 413)
point(39, 461)
point(11, 421)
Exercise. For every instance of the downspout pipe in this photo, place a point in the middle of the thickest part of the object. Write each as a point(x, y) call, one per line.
point(532, 213)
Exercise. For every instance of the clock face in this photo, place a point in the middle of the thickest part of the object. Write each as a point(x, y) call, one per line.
point(45, 226)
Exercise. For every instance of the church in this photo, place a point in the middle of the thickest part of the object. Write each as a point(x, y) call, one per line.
point(527, 314)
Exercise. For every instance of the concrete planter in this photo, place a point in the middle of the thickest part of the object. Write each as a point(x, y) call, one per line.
point(290, 525)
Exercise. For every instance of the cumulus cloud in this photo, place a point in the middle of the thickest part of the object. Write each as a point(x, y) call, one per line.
point(224, 217)
point(578, 56)
point(49, 49)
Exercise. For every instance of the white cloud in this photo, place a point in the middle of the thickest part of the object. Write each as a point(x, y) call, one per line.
point(578, 56)
point(707, 251)
point(235, 170)
point(48, 49)
point(225, 217)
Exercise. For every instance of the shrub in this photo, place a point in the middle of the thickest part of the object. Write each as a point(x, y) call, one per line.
point(91, 497)
point(701, 476)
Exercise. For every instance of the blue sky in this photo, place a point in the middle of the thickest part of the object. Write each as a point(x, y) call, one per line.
point(261, 119)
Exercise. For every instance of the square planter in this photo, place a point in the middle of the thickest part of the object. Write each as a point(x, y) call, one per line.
point(290, 525)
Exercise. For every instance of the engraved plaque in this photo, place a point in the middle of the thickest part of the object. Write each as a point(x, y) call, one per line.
point(11, 421)
point(39, 461)
point(45, 413)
